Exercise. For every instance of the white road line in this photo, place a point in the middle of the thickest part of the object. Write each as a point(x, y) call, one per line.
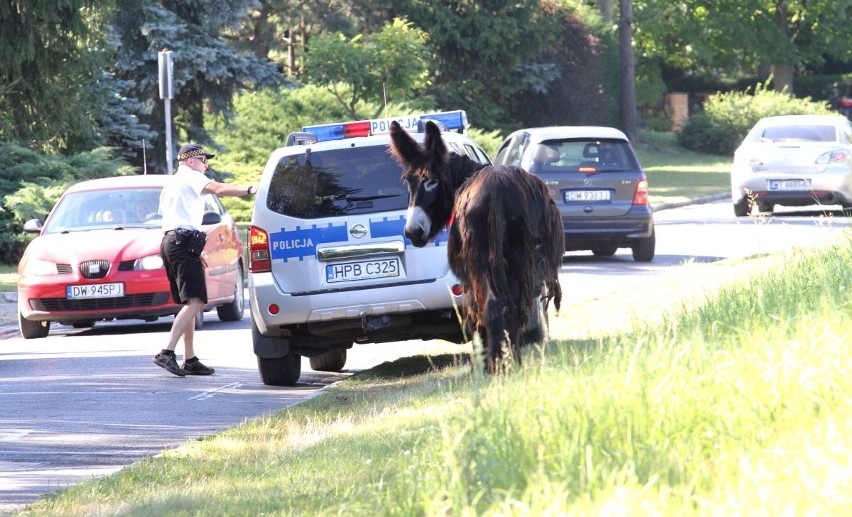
point(209, 393)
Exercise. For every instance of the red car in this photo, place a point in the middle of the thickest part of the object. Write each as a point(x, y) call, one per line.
point(97, 257)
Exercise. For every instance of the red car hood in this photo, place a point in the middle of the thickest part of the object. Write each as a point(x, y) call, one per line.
point(112, 245)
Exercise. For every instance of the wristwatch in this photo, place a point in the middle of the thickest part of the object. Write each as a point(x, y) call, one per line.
point(249, 190)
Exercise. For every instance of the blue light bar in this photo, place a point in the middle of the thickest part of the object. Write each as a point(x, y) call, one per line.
point(449, 120)
point(452, 120)
point(326, 132)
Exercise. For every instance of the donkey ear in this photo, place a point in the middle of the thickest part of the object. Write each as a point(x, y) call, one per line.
point(434, 144)
point(403, 148)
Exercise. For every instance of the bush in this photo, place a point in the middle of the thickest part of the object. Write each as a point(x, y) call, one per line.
point(727, 117)
point(263, 119)
point(30, 184)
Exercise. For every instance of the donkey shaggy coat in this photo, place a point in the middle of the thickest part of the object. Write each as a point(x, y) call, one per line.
point(506, 239)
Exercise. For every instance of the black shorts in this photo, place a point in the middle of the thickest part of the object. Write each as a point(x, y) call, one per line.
point(184, 269)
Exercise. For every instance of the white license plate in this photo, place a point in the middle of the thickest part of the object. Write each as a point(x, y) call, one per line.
point(362, 270)
point(587, 195)
point(789, 184)
point(85, 292)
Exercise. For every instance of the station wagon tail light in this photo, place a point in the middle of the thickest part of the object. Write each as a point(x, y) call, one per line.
point(641, 195)
point(832, 157)
point(259, 261)
point(587, 169)
point(448, 120)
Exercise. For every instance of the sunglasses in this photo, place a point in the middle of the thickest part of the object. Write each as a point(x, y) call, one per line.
point(202, 159)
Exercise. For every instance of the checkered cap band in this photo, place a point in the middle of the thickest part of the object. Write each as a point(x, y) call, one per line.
point(191, 150)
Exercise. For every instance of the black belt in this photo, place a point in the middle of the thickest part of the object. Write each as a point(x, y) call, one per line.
point(179, 231)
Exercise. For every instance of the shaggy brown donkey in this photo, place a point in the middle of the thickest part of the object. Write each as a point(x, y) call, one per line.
point(505, 237)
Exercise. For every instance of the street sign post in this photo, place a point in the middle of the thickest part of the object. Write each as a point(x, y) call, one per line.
point(167, 93)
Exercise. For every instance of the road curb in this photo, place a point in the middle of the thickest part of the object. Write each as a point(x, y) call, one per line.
point(692, 201)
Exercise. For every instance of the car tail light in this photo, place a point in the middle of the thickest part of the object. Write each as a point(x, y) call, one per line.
point(587, 169)
point(641, 195)
point(259, 261)
point(832, 157)
point(457, 290)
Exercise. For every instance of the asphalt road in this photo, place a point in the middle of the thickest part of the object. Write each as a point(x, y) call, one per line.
point(84, 403)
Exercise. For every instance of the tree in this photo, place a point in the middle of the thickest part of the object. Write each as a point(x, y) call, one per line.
point(49, 51)
point(741, 36)
point(389, 65)
point(629, 123)
point(208, 71)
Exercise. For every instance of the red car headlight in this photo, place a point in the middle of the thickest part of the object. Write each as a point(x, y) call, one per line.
point(39, 268)
point(148, 263)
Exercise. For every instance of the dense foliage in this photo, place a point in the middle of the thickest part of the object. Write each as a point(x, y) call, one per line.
point(31, 183)
point(727, 117)
point(77, 75)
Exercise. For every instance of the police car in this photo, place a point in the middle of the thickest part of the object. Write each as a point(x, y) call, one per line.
point(329, 263)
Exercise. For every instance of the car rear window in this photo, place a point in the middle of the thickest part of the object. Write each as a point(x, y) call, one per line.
point(803, 133)
point(572, 155)
point(337, 182)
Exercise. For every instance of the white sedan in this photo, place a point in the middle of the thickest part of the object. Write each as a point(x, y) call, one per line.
point(793, 160)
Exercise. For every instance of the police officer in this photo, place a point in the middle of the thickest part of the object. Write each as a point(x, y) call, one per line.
point(182, 207)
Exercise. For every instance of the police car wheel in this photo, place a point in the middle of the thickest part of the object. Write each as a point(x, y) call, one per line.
point(331, 361)
point(280, 371)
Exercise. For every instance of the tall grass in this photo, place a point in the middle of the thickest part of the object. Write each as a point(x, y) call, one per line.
point(741, 406)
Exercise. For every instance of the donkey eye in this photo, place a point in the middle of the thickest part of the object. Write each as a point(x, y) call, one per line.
point(430, 185)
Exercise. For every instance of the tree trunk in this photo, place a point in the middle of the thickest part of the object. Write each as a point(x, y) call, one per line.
point(782, 77)
point(628, 73)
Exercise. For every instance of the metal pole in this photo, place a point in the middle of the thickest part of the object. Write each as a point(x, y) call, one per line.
point(167, 93)
point(169, 151)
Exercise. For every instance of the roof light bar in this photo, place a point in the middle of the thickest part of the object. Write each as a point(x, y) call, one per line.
point(451, 120)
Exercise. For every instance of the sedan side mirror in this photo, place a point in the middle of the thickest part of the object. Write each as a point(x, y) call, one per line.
point(211, 218)
point(33, 226)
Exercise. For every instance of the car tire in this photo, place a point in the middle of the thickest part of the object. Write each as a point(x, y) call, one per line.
point(280, 371)
point(199, 319)
point(331, 361)
point(32, 329)
point(606, 250)
point(742, 207)
point(643, 249)
point(233, 311)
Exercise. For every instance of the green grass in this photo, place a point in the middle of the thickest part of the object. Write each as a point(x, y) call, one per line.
point(8, 277)
point(740, 402)
point(676, 174)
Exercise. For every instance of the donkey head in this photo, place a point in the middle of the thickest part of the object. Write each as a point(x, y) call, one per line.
point(431, 185)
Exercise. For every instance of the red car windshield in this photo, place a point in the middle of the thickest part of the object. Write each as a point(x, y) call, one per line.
point(94, 209)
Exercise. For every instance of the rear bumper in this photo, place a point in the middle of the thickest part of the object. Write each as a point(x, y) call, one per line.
point(584, 233)
point(424, 310)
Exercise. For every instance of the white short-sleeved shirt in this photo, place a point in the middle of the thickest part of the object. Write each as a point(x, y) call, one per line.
point(181, 201)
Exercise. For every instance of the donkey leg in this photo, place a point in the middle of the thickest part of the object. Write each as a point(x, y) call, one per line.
point(495, 335)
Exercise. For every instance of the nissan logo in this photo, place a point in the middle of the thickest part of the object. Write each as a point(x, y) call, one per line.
point(358, 231)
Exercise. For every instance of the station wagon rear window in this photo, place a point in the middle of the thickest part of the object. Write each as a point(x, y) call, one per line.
point(604, 155)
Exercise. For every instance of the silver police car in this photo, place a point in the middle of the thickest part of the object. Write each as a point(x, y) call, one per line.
point(329, 263)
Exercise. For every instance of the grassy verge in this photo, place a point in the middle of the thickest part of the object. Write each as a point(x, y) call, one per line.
point(676, 174)
point(741, 399)
point(8, 277)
